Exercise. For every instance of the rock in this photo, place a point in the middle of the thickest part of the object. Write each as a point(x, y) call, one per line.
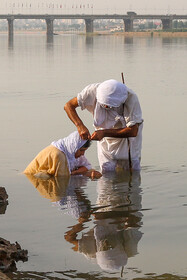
point(3, 276)
point(3, 200)
point(10, 254)
point(3, 195)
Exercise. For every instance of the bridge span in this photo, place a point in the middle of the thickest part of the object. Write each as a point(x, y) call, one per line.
point(89, 19)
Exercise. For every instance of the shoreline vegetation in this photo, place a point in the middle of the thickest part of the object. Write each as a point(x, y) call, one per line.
point(99, 33)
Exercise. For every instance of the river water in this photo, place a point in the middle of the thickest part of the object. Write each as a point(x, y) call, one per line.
point(118, 227)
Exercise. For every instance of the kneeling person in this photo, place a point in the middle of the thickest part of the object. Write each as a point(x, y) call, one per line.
point(63, 157)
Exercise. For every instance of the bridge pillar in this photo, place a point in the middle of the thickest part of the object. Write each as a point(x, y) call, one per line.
point(10, 27)
point(89, 25)
point(128, 24)
point(49, 23)
point(166, 23)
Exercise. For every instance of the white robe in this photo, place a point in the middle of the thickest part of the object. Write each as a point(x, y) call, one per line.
point(113, 152)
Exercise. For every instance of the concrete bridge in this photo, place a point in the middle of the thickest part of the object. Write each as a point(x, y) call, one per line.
point(89, 19)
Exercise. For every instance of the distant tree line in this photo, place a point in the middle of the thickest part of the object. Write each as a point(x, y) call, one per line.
point(65, 25)
point(176, 25)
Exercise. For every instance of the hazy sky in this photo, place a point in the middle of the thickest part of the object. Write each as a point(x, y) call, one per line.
point(99, 6)
point(140, 5)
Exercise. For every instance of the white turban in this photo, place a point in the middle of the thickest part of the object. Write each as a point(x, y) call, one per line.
point(111, 93)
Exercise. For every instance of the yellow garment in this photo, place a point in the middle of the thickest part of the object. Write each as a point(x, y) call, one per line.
point(49, 161)
point(53, 188)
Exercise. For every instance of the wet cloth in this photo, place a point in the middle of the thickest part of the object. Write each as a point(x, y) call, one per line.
point(58, 159)
point(125, 111)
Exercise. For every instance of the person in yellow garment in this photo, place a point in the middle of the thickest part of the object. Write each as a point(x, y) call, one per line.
point(63, 157)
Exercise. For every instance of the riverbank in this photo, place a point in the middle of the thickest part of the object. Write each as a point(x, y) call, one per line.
point(155, 34)
point(145, 34)
point(98, 33)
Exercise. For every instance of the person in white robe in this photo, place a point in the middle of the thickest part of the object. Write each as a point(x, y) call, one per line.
point(118, 123)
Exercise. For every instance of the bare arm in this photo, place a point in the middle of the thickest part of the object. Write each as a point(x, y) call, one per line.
point(92, 173)
point(79, 171)
point(70, 108)
point(117, 133)
point(71, 235)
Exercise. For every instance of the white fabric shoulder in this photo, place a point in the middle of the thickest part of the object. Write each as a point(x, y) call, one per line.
point(87, 97)
point(132, 109)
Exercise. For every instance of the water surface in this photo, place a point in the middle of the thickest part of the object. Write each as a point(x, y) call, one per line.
point(129, 227)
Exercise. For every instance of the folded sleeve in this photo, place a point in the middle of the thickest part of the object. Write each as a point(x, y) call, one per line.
point(132, 110)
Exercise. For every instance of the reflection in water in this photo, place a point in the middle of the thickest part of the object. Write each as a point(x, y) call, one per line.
point(54, 188)
point(73, 274)
point(89, 40)
point(10, 42)
point(128, 40)
point(115, 232)
point(117, 219)
point(75, 202)
point(166, 40)
point(49, 41)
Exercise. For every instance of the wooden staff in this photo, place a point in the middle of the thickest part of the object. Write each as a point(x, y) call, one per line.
point(128, 141)
point(123, 80)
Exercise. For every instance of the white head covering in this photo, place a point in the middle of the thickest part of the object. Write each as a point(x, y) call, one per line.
point(111, 93)
point(69, 145)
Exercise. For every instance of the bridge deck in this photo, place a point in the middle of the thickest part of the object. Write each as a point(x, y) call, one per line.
point(87, 16)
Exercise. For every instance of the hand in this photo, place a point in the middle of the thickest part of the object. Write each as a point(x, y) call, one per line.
point(98, 135)
point(84, 132)
point(93, 174)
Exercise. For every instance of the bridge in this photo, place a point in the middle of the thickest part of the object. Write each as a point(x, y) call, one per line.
point(89, 19)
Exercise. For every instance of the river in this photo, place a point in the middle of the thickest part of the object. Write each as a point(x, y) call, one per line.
point(117, 227)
